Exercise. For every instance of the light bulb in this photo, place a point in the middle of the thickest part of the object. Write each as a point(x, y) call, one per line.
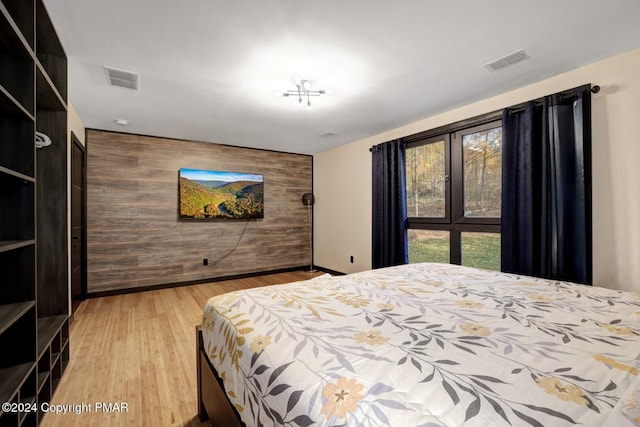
point(306, 85)
point(297, 79)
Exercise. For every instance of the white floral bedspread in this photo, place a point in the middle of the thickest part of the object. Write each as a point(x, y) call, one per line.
point(428, 345)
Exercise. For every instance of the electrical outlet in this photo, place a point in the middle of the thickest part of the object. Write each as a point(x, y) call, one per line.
point(351, 259)
point(205, 261)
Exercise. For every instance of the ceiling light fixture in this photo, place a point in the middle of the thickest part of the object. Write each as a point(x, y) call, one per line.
point(303, 90)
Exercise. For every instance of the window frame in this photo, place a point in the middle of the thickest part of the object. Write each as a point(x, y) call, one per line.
point(458, 176)
point(455, 222)
point(447, 171)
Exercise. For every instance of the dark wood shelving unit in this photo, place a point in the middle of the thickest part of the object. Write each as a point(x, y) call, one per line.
point(10, 245)
point(42, 379)
point(49, 330)
point(10, 105)
point(12, 379)
point(15, 174)
point(12, 312)
point(34, 296)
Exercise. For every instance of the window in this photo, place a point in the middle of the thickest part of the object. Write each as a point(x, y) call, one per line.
point(426, 185)
point(454, 194)
point(481, 250)
point(429, 246)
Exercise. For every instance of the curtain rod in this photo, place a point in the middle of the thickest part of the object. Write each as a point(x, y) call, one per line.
point(565, 94)
point(378, 147)
point(513, 109)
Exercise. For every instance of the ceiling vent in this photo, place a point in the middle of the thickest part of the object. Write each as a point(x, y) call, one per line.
point(122, 78)
point(507, 60)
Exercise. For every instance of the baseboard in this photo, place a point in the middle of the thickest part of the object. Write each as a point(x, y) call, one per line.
point(328, 270)
point(196, 282)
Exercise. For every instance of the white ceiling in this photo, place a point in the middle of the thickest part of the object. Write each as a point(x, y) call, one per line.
point(210, 70)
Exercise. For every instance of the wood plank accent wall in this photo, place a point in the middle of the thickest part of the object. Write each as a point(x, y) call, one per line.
point(134, 236)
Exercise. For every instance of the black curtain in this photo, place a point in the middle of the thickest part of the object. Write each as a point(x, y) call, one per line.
point(389, 234)
point(546, 188)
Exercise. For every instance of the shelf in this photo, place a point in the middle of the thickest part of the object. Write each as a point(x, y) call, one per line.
point(22, 12)
point(10, 106)
point(9, 245)
point(17, 264)
point(42, 379)
point(27, 400)
point(17, 71)
point(22, 417)
point(48, 98)
point(54, 384)
point(48, 327)
point(12, 378)
point(48, 42)
point(34, 351)
point(50, 53)
point(17, 144)
point(27, 395)
point(10, 313)
point(17, 213)
point(12, 41)
point(15, 174)
point(30, 419)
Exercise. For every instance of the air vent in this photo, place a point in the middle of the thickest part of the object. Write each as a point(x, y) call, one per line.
point(507, 60)
point(122, 78)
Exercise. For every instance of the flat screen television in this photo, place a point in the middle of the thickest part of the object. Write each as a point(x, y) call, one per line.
point(206, 194)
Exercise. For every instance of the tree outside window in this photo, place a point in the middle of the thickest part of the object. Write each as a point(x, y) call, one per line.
point(453, 192)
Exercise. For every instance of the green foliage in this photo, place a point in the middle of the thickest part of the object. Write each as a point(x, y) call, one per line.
point(240, 199)
point(481, 250)
point(429, 250)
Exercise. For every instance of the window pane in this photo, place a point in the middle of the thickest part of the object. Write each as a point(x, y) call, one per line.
point(481, 250)
point(482, 162)
point(426, 178)
point(428, 246)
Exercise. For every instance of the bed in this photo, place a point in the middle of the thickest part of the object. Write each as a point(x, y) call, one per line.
point(421, 345)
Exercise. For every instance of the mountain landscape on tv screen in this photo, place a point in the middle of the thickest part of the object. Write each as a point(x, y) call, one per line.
point(201, 199)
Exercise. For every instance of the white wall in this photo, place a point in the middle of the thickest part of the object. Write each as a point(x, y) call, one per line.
point(74, 123)
point(342, 176)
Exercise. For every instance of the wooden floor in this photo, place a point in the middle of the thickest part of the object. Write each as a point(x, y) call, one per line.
point(140, 349)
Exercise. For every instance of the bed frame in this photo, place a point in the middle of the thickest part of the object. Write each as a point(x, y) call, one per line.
point(213, 403)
